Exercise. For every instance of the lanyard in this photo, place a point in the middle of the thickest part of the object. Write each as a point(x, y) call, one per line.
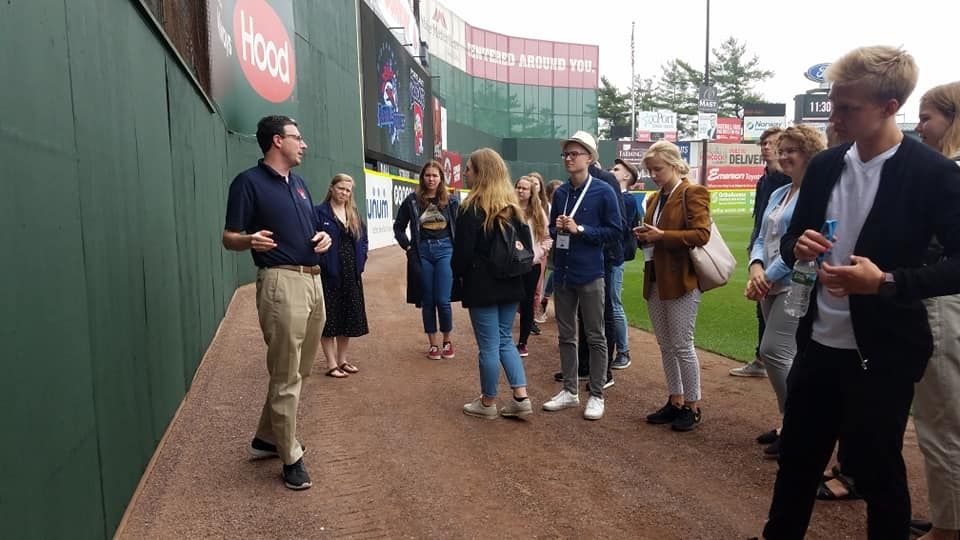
point(576, 205)
point(661, 202)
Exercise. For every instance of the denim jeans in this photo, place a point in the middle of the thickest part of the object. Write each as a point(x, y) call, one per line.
point(493, 328)
point(436, 282)
point(619, 316)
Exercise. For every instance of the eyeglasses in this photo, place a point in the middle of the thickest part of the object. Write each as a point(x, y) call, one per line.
point(296, 136)
point(572, 155)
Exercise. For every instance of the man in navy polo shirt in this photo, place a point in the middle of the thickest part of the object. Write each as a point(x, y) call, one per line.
point(585, 214)
point(270, 213)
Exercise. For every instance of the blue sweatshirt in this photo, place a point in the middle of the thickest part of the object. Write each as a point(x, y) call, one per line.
point(599, 214)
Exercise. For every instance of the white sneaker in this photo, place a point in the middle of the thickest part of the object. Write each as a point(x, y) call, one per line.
point(478, 409)
point(594, 410)
point(515, 408)
point(563, 400)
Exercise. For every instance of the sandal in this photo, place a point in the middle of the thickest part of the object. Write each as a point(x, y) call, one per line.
point(336, 373)
point(824, 493)
point(347, 367)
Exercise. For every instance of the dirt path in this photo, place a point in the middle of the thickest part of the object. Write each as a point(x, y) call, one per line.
point(391, 455)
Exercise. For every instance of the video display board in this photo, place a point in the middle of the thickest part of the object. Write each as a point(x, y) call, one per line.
point(397, 98)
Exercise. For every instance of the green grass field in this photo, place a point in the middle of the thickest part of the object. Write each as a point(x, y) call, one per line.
point(726, 322)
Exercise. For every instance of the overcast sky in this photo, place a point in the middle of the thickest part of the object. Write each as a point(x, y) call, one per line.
point(788, 37)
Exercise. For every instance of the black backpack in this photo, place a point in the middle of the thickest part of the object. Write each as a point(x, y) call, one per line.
point(511, 250)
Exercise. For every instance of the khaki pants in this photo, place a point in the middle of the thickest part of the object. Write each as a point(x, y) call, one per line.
point(292, 315)
point(936, 413)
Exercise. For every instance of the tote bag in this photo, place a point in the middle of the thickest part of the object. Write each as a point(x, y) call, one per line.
point(712, 262)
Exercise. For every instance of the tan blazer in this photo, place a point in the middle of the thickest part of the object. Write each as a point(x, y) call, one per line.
point(671, 254)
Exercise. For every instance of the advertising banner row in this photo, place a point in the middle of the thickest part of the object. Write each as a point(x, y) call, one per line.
point(385, 193)
point(509, 59)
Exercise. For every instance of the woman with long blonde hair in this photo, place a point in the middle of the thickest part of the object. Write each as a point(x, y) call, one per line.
point(536, 219)
point(341, 267)
point(492, 303)
point(936, 402)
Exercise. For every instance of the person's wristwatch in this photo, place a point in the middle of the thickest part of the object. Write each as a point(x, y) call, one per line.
point(888, 287)
point(579, 229)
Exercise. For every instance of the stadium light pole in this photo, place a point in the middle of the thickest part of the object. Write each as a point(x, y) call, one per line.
point(633, 86)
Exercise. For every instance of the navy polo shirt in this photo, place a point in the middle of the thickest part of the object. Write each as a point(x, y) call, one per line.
point(260, 199)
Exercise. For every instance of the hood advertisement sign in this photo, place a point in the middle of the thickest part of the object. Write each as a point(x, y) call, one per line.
point(253, 64)
point(379, 209)
point(733, 166)
point(398, 106)
point(754, 126)
point(632, 153)
point(656, 125)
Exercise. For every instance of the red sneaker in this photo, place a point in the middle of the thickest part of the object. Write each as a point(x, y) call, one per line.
point(522, 349)
point(433, 353)
point(447, 351)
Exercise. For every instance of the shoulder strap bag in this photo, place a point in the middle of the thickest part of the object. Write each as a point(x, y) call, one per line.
point(713, 262)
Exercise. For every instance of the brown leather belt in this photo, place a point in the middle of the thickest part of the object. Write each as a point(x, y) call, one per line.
point(312, 270)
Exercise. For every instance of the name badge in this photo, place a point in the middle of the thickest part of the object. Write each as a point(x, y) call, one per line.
point(648, 253)
point(563, 241)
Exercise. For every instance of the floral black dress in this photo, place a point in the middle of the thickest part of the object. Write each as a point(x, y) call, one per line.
point(346, 313)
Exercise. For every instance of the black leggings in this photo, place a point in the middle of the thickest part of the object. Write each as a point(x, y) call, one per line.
point(526, 305)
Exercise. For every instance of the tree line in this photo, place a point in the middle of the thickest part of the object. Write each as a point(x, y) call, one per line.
point(732, 71)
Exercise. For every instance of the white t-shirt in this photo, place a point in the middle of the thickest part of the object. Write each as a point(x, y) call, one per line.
point(850, 203)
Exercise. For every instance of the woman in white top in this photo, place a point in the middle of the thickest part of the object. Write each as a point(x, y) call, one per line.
point(936, 402)
point(770, 277)
point(536, 218)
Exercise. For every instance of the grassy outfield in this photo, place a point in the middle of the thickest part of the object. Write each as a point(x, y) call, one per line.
point(726, 322)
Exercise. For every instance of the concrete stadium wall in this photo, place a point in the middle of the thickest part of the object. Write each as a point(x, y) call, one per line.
point(113, 202)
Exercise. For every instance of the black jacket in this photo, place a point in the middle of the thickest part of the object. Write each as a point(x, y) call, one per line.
point(409, 214)
point(918, 197)
point(477, 286)
point(613, 249)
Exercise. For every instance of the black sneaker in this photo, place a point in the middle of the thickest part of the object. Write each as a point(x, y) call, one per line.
point(535, 330)
point(686, 420)
point(769, 437)
point(295, 476)
point(665, 415)
point(772, 451)
point(920, 527)
point(260, 449)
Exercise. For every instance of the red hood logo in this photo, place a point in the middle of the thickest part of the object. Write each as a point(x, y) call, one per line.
point(264, 50)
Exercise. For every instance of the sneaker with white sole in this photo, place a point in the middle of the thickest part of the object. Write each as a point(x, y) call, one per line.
point(753, 369)
point(622, 361)
point(447, 351)
point(515, 408)
point(295, 476)
point(434, 353)
point(478, 409)
point(563, 400)
point(594, 409)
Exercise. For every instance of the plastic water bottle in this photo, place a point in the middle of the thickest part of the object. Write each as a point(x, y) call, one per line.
point(802, 280)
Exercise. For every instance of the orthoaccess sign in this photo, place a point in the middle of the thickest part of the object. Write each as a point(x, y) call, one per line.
point(252, 60)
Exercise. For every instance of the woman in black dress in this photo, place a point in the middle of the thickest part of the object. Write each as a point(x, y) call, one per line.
point(341, 267)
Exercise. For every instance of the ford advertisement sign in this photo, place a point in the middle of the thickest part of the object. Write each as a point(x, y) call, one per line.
point(816, 72)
